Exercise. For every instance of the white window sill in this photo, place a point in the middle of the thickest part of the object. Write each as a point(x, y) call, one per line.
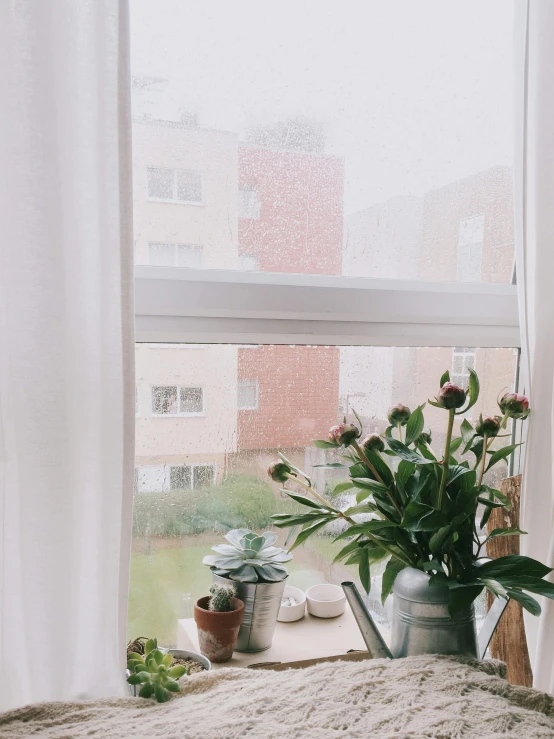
point(178, 415)
point(175, 202)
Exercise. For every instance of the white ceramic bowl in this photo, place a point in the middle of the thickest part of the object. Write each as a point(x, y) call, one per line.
point(325, 601)
point(293, 613)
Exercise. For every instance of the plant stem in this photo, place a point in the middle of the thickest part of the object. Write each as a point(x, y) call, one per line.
point(313, 492)
point(399, 427)
point(445, 461)
point(483, 460)
point(378, 477)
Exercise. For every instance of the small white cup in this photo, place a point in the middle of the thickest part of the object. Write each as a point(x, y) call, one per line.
point(293, 613)
point(325, 601)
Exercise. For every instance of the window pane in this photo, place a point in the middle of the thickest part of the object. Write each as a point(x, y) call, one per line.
point(367, 138)
point(180, 478)
point(200, 476)
point(192, 400)
point(162, 255)
point(164, 400)
point(189, 186)
point(247, 395)
point(160, 183)
point(189, 256)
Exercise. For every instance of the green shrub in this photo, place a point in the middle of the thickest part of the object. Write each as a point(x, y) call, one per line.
point(240, 500)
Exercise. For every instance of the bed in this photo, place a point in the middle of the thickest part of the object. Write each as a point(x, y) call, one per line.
point(429, 696)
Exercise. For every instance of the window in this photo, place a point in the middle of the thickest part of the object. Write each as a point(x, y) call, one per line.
point(364, 267)
point(164, 401)
point(192, 400)
point(250, 205)
point(175, 255)
point(248, 391)
point(470, 248)
point(463, 359)
point(174, 185)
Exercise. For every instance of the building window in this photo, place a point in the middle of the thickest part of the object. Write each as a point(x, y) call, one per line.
point(463, 359)
point(175, 255)
point(150, 479)
point(191, 476)
point(174, 185)
point(248, 395)
point(191, 400)
point(470, 248)
point(249, 263)
point(164, 401)
point(250, 205)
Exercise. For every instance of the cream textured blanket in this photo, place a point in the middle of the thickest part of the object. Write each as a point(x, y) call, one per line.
point(427, 696)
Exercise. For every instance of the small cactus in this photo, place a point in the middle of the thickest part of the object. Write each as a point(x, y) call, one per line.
point(220, 600)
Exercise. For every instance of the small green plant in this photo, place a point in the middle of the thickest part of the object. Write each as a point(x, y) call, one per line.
point(154, 672)
point(249, 557)
point(221, 597)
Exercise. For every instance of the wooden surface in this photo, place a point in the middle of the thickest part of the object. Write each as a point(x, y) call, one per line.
point(308, 638)
point(509, 643)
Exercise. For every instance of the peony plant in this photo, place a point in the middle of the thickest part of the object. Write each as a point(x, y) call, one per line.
point(420, 507)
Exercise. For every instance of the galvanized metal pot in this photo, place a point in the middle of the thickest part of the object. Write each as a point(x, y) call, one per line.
point(262, 601)
point(421, 623)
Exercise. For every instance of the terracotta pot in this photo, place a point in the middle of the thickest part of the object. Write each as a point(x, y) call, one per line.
point(218, 632)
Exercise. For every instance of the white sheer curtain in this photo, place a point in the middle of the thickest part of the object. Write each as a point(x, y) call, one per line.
point(66, 348)
point(535, 276)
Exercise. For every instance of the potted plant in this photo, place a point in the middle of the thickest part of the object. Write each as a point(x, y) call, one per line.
point(154, 671)
point(257, 570)
point(420, 513)
point(218, 618)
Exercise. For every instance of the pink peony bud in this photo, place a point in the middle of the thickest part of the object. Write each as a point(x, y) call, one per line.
point(399, 414)
point(451, 396)
point(489, 426)
point(343, 433)
point(373, 443)
point(279, 471)
point(514, 405)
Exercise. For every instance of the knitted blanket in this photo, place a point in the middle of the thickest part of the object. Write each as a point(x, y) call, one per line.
point(427, 696)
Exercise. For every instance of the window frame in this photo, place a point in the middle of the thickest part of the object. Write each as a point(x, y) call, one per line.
point(174, 200)
point(210, 306)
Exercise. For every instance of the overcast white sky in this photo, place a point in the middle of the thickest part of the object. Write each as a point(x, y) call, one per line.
point(413, 93)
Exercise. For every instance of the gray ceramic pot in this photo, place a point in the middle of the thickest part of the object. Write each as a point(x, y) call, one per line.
point(262, 601)
point(421, 623)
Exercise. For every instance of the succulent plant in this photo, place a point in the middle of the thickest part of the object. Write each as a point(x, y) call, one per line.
point(221, 597)
point(249, 557)
point(154, 672)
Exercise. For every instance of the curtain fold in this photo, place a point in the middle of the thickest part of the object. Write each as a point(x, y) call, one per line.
point(534, 196)
point(66, 348)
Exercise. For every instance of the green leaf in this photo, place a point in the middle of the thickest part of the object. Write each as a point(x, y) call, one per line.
point(303, 500)
point(533, 584)
point(462, 595)
point(167, 660)
point(345, 551)
point(321, 444)
point(512, 565)
point(284, 520)
point(162, 695)
point(305, 533)
point(421, 517)
point(499, 454)
point(367, 527)
point(402, 451)
point(501, 496)
point(177, 671)
point(365, 572)
point(394, 566)
point(434, 403)
point(529, 603)
point(146, 690)
point(404, 472)
point(504, 532)
point(172, 686)
point(331, 466)
point(438, 539)
point(445, 377)
point(135, 679)
point(365, 483)
point(432, 565)
point(473, 391)
point(455, 444)
point(158, 656)
point(341, 488)
point(455, 471)
point(467, 431)
point(150, 645)
point(381, 467)
point(415, 424)
point(362, 508)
